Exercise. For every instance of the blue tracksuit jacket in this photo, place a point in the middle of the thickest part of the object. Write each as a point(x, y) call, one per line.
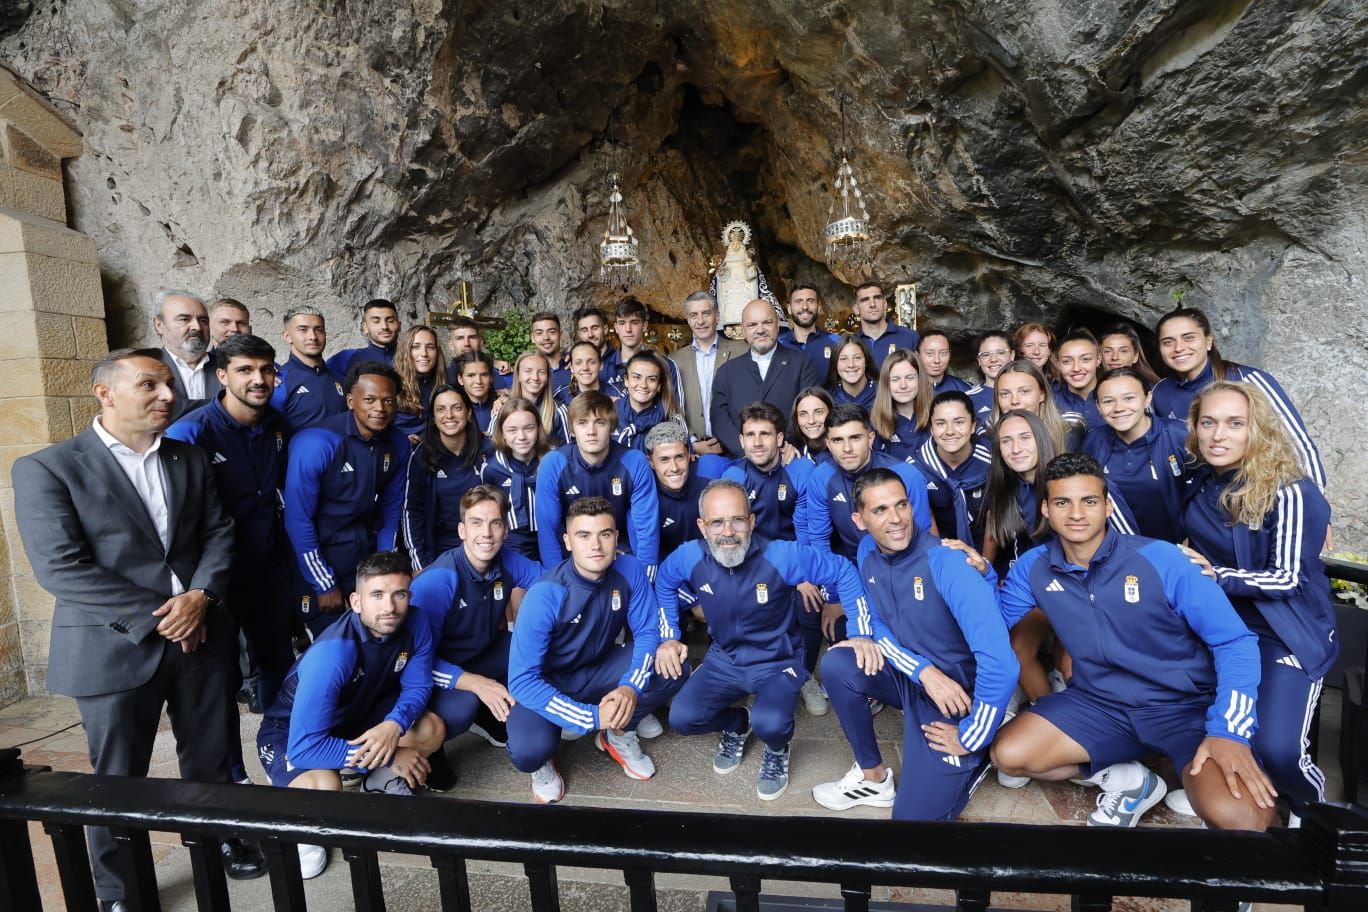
point(958, 495)
point(1149, 474)
point(624, 478)
point(778, 498)
point(983, 397)
point(1144, 627)
point(864, 399)
point(518, 481)
point(342, 490)
point(1273, 574)
point(465, 611)
point(411, 424)
point(679, 511)
point(818, 348)
point(343, 684)
point(830, 502)
point(342, 361)
point(633, 425)
point(306, 395)
point(568, 624)
point(894, 338)
point(613, 371)
point(906, 439)
point(926, 606)
point(1075, 408)
point(432, 502)
point(949, 382)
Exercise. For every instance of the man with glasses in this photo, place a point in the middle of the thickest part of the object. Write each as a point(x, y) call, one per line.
point(747, 587)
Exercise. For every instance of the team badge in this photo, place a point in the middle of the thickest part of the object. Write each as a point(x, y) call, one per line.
point(280, 441)
point(337, 386)
point(498, 591)
point(917, 591)
point(826, 352)
point(617, 487)
point(617, 600)
point(892, 347)
point(387, 462)
point(1176, 469)
point(761, 593)
point(304, 604)
point(783, 492)
point(1132, 589)
point(400, 662)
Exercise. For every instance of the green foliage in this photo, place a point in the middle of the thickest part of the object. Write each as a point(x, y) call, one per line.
point(1180, 293)
point(514, 339)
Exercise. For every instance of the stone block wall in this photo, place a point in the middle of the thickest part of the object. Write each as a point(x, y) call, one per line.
point(52, 331)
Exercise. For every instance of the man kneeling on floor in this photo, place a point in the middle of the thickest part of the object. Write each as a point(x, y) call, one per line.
point(747, 586)
point(566, 666)
point(929, 639)
point(355, 700)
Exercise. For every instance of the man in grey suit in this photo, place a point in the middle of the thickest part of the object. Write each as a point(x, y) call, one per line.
point(697, 365)
point(126, 530)
point(770, 372)
point(182, 323)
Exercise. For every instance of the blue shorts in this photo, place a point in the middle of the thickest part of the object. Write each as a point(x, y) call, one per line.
point(1112, 733)
point(272, 741)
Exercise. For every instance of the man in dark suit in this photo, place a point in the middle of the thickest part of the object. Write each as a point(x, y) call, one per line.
point(126, 529)
point(697, 365)
point(182, 323)
point(770, 372)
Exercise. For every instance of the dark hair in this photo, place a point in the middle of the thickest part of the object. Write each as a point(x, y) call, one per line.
point(1005, 521)
point(993, 334)
point(932, 334)
point(863, 285)
point(104, 369)
point(1218, 364)
point(953, 396)
point(1079, 334)
point(588, 310)
point(376, 368)
point(481, 493)
point(1142, 363)
point(762, 411)
point(873, 478)
point(432, 445)
point(574, 381)
point(1071, 465)
point(630, 307)
point(845, 413)
point(815, 392)
point(541, 315)
point(382, 563)
point(378, 304)
point(833, 377)
point(805, 287)
point(1117, 373)
point(592, 404)
point(665, 395)
point(589, 506)
point(474, 357)
point(461, 321)
point(242, 346)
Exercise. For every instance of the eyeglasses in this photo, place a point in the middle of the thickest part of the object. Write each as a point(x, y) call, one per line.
point(737, 524)
point(996, 353)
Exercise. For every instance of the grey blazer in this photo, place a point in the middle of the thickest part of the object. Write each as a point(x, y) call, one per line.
point(693, 404)
point(93, 546)
point(183, 402)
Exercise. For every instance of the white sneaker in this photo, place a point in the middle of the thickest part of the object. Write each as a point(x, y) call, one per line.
point(312, 860)
point(1177, 801)
point(626, 750)
point(569, 734)
point(1124, 808)
point(547, 785)
point(853, 789)
point(1012, 782)
point(649, 727)
point(814, 700)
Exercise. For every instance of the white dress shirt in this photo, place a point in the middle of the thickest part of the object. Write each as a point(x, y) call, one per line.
point(706, 364)
point(192, 377)
point(144, 471)
point(763, 361)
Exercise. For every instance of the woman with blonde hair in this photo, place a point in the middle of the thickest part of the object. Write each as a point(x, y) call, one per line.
point(901, 416)
point(519, 444)
point(532, 381)
point(1256, 524)
point(419, 360)
point(1021, 386)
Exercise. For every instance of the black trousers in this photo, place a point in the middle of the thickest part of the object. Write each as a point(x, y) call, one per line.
point(120, 728)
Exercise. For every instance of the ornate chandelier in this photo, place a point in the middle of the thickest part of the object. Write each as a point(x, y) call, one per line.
point(619, 259)
point(848, 248)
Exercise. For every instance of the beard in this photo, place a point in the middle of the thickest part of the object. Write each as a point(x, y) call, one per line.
point(193, 345)
point(805, 322)
point(729, 550)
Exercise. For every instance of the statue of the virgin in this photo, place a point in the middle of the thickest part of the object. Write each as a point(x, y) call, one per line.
point(737, 280)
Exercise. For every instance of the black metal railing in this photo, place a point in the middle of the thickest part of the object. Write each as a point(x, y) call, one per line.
point(1322, 866)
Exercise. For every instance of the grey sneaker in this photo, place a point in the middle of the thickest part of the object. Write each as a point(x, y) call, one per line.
point(814, 699)
point(730, 748)
point(385, 781)
point(626, 750)
point(1124, 809)
point(774, 774)
point(649, 727)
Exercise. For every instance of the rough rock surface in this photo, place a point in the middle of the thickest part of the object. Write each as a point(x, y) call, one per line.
point(1054, 159)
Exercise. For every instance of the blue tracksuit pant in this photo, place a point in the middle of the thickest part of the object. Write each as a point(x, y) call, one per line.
point(1287, 705)
point(705, 703)
point(459, 708)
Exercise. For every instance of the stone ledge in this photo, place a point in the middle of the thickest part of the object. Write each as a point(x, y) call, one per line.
point(33, 282)
point(21, 151)
point(31, 193)
point(35, 115)
point(24, 232)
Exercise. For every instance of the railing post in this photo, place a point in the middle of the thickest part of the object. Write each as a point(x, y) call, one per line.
point(1215, 905)
point(135, 866)
point(1335, 840)
point(856, 896)
point(972, 900)
point(18, 879)
point(746, 889)
point(206, 865)
point(541, 884)
point(453, 883)
point(1091, 902)
point(73, 866)
point(287, 883)
point(641, 887)
point(365, 878)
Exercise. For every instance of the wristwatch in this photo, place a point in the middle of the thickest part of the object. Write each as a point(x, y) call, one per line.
point(210, 598)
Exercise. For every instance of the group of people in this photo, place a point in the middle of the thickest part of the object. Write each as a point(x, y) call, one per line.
point(1064, 567)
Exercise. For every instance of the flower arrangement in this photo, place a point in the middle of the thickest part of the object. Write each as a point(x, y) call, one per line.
point(1354, 593)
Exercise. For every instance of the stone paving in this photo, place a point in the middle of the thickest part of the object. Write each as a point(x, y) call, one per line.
point(685, 782)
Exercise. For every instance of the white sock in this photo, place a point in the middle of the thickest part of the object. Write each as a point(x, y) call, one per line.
point(1119, 777)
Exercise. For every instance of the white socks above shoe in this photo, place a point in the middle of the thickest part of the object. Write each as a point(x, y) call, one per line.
point(1119, 777)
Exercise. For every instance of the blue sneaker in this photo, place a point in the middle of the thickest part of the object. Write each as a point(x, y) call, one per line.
point(1125, 808)
point(731, 746)
point(774, 774)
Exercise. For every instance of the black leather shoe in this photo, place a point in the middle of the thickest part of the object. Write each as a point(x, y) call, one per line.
point(242, 860)
point(441, 777)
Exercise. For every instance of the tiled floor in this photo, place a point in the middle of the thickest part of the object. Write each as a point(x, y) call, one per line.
point(685, 782)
